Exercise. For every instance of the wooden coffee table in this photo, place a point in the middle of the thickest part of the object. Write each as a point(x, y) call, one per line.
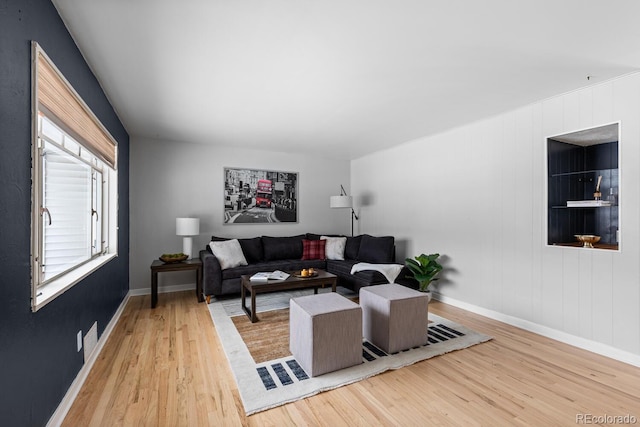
point(292, 282)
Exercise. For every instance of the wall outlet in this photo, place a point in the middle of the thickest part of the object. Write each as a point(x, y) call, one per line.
point(79, 340)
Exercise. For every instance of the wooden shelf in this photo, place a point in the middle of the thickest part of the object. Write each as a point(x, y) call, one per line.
point(583, 172)
point(608, 246)
point(583, 207)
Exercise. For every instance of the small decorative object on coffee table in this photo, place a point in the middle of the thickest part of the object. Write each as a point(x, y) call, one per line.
point(254, 287)
point(306, 272)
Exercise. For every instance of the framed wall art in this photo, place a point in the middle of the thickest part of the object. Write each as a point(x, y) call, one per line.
point(255, 196)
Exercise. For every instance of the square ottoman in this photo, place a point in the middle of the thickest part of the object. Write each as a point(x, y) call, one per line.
point(395, 318)
point(325, 332)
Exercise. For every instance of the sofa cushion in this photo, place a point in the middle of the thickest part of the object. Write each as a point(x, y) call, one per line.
point(376, 250)
point(335, 247)
point(251, 248)
point(276, 248)
point(313, 249)
point(229, 253)
point(352, 247)
point(313, 236)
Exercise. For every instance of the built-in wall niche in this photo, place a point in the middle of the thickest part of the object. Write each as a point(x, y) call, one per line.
point(584, 188)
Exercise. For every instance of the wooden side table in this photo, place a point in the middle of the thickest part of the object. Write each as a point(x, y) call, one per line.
point(158, 266)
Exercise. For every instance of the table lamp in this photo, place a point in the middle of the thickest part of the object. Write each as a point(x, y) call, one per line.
point(187, 227)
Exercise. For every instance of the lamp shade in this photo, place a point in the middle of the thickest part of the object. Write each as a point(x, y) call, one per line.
point(341, 202)
point(187, 226)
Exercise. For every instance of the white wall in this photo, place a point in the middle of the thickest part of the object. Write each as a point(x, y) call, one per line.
point(476, 195)
point(170, 180)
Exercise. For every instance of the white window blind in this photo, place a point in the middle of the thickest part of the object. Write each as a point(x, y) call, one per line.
point(97, 216)
point(67, 227)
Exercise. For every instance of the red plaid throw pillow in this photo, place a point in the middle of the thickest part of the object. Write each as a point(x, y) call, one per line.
point(313, 249)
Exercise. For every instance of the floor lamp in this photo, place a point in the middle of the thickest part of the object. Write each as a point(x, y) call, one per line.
point(343, 201)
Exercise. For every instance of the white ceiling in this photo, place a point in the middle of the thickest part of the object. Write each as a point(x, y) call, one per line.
point(591, 136)
point(341, 78)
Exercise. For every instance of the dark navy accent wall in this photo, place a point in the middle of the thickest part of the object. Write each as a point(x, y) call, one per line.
point(38, 357)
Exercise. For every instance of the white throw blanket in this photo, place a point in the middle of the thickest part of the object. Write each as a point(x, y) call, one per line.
point(390, 271)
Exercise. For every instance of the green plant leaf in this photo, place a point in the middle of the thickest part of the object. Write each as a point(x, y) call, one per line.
point(423, 269)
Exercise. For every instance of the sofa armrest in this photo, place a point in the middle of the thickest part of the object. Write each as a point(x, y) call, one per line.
point(211, 274)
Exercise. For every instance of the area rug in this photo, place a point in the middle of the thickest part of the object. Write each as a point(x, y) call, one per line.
point(270, 383)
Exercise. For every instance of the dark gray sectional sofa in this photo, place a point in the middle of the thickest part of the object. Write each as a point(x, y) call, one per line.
point(285, 253)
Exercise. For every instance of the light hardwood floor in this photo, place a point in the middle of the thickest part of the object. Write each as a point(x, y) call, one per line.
point(166, 367)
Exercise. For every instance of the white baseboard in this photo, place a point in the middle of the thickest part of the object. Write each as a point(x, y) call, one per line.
point(63, 408)
point(163, 289)
point(585, 344)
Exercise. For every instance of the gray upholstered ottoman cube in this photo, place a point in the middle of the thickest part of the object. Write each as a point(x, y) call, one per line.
point(325, 332)
point(395, 318)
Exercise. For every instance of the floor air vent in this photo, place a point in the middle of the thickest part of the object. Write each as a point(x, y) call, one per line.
point(90, 341)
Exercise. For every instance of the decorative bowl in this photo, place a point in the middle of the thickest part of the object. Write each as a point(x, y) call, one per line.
point(173, 258)
point(310, 275)
point(587, 239)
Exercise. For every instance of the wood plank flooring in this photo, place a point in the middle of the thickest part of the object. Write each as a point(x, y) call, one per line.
point(166, 367)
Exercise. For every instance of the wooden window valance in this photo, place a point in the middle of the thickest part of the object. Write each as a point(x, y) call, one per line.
point(57, 97)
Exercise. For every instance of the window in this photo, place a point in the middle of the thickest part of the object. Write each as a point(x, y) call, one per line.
point(74, 186)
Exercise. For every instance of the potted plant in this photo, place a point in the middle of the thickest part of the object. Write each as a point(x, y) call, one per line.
point(424, 268)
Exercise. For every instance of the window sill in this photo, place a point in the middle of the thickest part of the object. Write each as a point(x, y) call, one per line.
point(57, 287)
